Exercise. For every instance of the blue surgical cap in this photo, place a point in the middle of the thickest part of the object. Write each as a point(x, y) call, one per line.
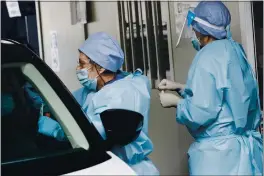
point(214, 12)
point(104, 51)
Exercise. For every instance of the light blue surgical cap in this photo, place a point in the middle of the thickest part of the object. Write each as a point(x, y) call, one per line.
point(214, 12)
point(104, 51)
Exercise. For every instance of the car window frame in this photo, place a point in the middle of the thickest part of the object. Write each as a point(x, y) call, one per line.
point(61, 163)
point(89, 130)
point(96, 152)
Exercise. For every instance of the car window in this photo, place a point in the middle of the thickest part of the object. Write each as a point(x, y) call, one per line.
point(26, 99)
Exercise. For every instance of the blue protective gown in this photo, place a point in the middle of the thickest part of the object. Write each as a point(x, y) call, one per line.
point(126, 91)
point(132, 93)
point(221, 111)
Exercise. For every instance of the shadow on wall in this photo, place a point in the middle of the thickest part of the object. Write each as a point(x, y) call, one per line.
point(91, 15)
point(171, 140)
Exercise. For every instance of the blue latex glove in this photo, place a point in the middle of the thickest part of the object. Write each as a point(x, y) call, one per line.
point(33, 95)
point(50, 127)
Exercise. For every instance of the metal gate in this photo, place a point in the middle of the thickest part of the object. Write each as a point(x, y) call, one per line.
point(146, 39)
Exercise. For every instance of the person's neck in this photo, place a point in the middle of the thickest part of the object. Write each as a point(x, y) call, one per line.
point(106, 78)
point(211, 40)
point(208, 42)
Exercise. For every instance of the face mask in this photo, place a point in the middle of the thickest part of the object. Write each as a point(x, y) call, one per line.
point(7, 104)
point(196, 45)
point(82, 76)
point(195, 42)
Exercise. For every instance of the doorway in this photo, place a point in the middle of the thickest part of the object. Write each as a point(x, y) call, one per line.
point(22, 29)
point(258, 31)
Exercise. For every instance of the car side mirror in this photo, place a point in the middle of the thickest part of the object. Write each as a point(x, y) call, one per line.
point(121, 126)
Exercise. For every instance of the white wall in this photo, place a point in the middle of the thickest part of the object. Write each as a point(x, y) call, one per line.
point(104, 18)
point(235, 20)
point(56, 16)
point(171, 140)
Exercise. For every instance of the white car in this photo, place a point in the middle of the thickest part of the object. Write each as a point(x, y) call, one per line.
point(27, 152)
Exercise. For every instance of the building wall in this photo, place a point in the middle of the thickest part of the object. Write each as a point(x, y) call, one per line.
point(56, 16)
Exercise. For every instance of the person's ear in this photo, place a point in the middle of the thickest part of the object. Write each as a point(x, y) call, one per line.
point(205, 40)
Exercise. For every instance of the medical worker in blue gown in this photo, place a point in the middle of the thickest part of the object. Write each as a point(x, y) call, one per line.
point(105, 86)
point(219, 105)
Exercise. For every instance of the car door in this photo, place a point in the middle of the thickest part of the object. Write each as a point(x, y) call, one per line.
point(27, 152)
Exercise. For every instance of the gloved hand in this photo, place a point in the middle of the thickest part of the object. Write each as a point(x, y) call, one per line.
point(170, 85)
point(168, 100)
point(33, 95)
point(51, 128)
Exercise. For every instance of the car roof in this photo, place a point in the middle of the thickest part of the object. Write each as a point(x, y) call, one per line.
point(13, 51)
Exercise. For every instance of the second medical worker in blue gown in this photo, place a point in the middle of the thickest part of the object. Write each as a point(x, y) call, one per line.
point(106, 87)
point(219, 104)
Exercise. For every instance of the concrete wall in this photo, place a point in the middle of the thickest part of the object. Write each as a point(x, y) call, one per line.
point(56, 17)
point(171, 140)
point(104, 18)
